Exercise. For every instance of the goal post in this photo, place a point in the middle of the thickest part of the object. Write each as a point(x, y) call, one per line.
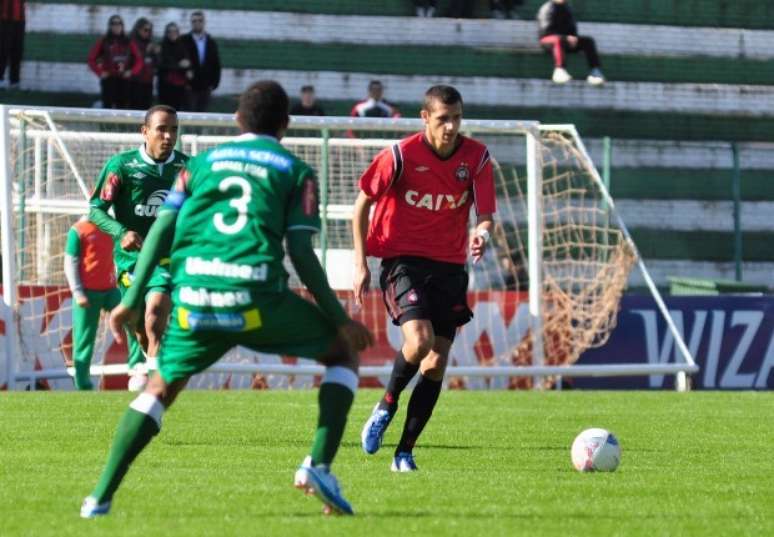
point(548, 289)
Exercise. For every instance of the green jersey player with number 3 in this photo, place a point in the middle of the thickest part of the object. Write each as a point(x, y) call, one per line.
point(135, 184)
point(226, 220)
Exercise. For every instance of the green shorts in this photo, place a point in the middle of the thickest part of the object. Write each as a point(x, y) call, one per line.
point(283, 323)
point(160, 281)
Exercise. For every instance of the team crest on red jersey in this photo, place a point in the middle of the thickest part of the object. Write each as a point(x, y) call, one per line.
point(462, 173)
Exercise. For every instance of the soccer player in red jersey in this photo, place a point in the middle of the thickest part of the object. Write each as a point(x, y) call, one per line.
point(423, 188)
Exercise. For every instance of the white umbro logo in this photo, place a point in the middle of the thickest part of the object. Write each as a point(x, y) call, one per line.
point(421, 168)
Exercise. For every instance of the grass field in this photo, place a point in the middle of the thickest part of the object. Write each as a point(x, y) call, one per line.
point(494, 463)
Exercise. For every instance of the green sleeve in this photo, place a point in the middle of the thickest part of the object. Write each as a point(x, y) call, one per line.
point(155, 246)
point(303, 210)
point(107, 190)
point(312, 275)
point(73, 244)
point(107, 223)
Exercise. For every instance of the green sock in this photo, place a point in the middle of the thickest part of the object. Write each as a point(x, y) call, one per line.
point(334, 399)
point(82, 376)
point(135, 431)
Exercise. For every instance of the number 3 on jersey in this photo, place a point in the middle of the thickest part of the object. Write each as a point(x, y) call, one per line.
point(240, 204)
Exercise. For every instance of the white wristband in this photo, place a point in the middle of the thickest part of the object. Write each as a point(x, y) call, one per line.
point(484, 234)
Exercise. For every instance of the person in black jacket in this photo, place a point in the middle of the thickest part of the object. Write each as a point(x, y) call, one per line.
point(205, 60)
point(141, 85)
point(307, 106)
point(175, 71)
point(558, 34)
point(12, 21)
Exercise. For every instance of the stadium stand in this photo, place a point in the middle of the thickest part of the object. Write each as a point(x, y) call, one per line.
point(687, 78)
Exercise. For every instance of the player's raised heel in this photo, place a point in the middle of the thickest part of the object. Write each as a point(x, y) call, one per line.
point(373, 431)
point(323, 484)
point(301, 478)
point(138, 378)
point(91, 509)
point(404, 462)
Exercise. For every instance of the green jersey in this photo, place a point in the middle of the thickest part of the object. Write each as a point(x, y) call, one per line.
point(242, 197)
point(135, 186)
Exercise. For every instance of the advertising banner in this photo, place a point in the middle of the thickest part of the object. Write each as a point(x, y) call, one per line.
point(731, 338)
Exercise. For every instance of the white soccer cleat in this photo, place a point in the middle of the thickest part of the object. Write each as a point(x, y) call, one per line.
point(318, 481)
point(91, 509)
point(561, 76)
point(404, 462)
point(596, 78)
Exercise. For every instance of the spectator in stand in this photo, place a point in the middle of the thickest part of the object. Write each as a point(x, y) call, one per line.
point(115, 59)
point(558, 34)
point(375, 105)
point(91, 276)
point(11, 40)
point(175, 72)
point(307, 106)
point(425, 8)
point(141, 85)
point(203, 51)
point(461, 9)
point(504, 9)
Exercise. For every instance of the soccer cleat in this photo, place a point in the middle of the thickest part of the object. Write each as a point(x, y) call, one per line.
point(318, 480)
point(404, 462)
point(595, 78)
point(561, 76)
point(91, 509)
point(373, 431)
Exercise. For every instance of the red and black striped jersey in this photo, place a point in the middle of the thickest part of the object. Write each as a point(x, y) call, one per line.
point(423, 201)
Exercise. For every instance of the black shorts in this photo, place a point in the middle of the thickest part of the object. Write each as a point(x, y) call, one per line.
point(418, 288)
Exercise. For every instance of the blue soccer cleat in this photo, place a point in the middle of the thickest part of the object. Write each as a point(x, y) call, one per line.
point(404, 462)
point(318, 480)
point(91, 509)
point(373, 431)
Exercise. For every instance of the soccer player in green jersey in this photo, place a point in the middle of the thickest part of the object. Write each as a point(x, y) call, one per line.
point(226, 220)
point(135, 183)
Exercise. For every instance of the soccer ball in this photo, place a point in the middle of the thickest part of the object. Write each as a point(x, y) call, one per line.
point(596, 450)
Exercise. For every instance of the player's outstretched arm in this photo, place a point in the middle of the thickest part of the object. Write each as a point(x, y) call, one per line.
point(313, 276)
point(156, 246)
point(362, 276)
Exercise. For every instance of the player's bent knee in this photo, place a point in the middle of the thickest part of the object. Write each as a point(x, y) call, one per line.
point(340, 354)
point(416, 349)
point(434, 366)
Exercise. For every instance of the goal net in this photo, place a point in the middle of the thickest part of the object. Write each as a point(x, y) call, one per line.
point(547, 289)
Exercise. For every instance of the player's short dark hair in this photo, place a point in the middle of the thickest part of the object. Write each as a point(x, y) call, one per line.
point(307, 88)
point(448, 95)
point(197, 13)
point(158, 108)
point(374, 83)
point(263, 108)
